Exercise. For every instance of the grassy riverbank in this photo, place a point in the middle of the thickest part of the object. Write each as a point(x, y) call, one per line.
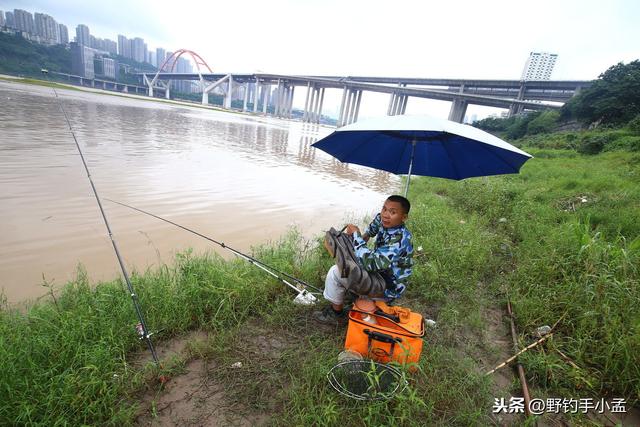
point(560, 240)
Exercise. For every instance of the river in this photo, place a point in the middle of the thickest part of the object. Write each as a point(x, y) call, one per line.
point(238, 178)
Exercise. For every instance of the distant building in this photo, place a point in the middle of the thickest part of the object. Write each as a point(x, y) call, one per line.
point(138, 50)
point(46, 28)
point(539, 66)
point(2, 22)
point(82, 60)
point(23, 21)
point(10, 20)
point(161, 55)
point(64, 34)
point(83, 36)
point(110, 68)
point(124, 46)
point(185, 86)
point(104, 45)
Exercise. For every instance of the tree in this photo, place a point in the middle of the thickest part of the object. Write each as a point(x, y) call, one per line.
point(544, 123)
point(612, 99)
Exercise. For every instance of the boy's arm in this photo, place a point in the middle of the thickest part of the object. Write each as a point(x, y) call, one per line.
point(373, 228)
point(377, 260)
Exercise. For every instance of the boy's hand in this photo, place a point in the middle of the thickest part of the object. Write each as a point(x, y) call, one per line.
point(351, 229)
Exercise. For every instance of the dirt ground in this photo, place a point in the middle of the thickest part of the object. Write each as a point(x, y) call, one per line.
point(201, 391)
point(194, 396)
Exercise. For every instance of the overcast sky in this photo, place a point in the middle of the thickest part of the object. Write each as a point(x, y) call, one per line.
point(457, 39)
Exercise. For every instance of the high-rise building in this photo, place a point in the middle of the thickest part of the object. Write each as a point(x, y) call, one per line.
point(82, 60)
point(64, 34)
point(46, 28)
point(138, 49)
point(183, 66)
point(111, 46)
point(1, 18)
point(539, 66)
point(161, 54)
point(83, 36)
point(23, 20)
point(10, 20)
point(124, 46)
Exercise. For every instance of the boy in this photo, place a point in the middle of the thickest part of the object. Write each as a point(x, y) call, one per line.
point(382, 272)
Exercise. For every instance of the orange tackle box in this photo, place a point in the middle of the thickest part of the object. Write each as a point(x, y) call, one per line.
point(390, 333)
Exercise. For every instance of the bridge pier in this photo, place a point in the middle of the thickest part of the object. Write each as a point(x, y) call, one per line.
point(350, 106)
point(227, 98)
point(277, 102)
point(245, 88)
point(167, 89)
point(313, 104)
point(266, 90)
point(290, 101)
point(515, 109)
point(284, 101)
point(211, 87)
point(146, 81)
point(458, 110)
point(256, 96)
point(313, 110)
point(307, 100)
point(397, 102)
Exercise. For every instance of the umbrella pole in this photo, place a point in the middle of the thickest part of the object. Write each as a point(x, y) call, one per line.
point(413, 151)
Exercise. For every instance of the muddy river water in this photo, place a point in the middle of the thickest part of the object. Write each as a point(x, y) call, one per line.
point(241, 179)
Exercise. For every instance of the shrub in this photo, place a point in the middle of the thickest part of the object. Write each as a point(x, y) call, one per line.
point(627, 142)
point(634, 125)
point(593, 144)
point(544, 123)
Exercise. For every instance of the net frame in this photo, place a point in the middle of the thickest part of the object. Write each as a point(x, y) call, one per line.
point(362, 371)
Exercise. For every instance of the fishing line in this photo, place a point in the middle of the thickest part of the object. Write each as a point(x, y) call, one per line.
point(142, 326)
point(248, 258)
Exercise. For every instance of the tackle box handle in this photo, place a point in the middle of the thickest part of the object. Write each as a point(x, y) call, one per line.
point(382, 337)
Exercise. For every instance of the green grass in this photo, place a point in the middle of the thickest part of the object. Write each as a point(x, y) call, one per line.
point(530, 237)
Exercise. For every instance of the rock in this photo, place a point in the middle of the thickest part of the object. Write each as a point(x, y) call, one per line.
point(543, 330)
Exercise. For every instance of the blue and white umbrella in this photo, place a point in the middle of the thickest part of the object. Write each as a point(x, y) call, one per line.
point(423, 145)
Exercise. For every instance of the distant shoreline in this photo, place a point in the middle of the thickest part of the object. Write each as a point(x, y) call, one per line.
point(38, 82)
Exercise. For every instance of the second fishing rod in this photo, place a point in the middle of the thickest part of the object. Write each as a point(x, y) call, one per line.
point(303, 297)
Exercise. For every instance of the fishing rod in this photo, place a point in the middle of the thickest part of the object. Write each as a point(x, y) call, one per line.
point(304, 296)
point(142, 329)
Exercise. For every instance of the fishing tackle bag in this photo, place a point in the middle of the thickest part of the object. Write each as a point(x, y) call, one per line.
point(390, 333)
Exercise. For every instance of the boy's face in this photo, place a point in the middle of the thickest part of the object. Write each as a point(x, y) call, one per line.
point(392, 214)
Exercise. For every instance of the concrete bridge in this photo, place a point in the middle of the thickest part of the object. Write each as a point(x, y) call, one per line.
point(516, 95)
point(101, 84)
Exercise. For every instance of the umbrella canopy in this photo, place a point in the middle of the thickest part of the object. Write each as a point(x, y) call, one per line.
point(423, 145)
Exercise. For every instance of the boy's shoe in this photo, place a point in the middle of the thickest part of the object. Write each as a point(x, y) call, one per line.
point(328, 316)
